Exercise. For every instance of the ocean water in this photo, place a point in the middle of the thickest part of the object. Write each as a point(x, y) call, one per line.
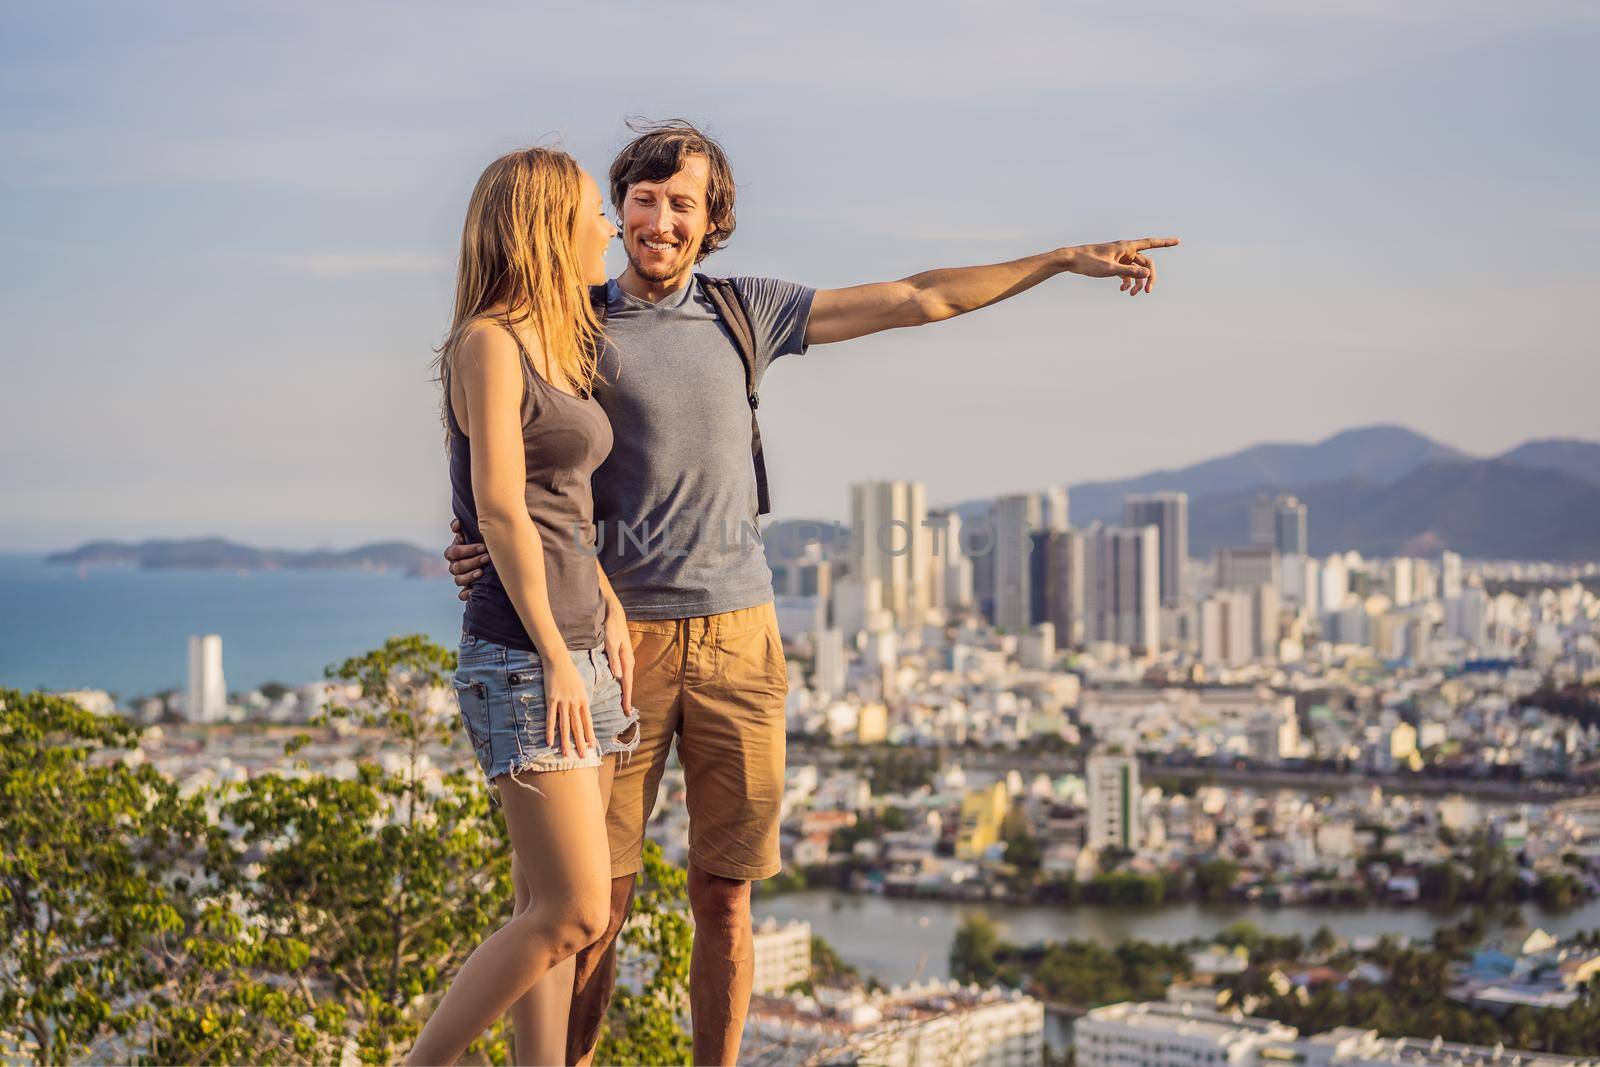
point(126, 630)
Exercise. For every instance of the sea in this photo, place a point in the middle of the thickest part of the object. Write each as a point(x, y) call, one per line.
point(126, 630)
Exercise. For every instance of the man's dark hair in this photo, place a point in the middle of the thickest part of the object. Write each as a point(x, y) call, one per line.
point(658, 153)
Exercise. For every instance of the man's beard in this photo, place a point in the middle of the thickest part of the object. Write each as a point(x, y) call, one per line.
point(656, 275)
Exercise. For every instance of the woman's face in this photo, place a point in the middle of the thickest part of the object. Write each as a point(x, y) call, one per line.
point(595, 232)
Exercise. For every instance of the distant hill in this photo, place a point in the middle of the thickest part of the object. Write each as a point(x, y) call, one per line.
point(1483, 508)
point(214, 553)
point(1383, 490)
point(1379, 454)
point(1580, 459)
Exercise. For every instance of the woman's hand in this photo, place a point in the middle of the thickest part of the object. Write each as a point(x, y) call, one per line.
point(619, 651)
point(566, 701)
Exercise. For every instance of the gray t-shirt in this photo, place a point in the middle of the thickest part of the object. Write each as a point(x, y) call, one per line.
point(680, 480)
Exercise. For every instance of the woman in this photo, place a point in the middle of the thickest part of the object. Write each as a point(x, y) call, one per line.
point(545, 659)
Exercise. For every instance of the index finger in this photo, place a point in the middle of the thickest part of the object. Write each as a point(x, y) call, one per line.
point(1154, 242)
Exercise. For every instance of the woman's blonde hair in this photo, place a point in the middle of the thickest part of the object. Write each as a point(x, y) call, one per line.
point(518, 254)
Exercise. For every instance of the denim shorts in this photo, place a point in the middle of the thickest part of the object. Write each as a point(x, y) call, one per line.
point(501, 694)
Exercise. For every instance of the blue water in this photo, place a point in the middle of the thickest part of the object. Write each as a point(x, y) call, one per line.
point(126, 630)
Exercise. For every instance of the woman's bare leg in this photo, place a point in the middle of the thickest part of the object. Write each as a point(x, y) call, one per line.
point(539, 1017)
point(559, 840)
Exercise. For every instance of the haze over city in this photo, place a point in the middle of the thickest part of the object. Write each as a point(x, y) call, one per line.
point(230, 236)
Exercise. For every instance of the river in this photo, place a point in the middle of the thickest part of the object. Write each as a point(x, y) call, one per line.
point(897, 939)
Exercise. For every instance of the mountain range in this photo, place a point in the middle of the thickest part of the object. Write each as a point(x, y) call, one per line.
point(1381, 490)
point(1387, 490)
point(214, 553)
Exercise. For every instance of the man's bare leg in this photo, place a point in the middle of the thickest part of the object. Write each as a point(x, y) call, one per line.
point(596, 979)
point(722, 965)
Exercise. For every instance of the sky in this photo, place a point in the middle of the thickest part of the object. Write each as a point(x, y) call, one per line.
point(228, 231)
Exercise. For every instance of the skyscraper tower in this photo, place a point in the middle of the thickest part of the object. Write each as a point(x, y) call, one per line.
point(1122, 586)
point(1280, 522)
point(208, 692)
point(1169, 514)
point(1053, 510)
point(1064, 575)
point(889, 542)
point(1015, 520)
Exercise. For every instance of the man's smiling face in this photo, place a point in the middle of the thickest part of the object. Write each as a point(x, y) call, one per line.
point(663, 223)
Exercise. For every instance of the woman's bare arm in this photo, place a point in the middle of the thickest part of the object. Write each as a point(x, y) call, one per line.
point(488, 368)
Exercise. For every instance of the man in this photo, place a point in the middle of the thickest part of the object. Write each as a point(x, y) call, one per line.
point(676, 501)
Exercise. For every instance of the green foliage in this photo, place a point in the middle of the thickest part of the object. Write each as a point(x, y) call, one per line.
point(645, 1025)
point(1214, 878)
point(296, 917)
point(1414, 1000)
point(94, 855)
point(974, 954)
point(828, 968)
point(1080, 973)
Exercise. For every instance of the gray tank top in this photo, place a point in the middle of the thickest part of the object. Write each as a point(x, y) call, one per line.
point(564, 439)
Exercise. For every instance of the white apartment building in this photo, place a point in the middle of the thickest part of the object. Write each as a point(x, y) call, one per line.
point(890, 542)
point(1349, 1046)
point(829, 665)
point(208, 692)
point(934, 1024)
point(782, 955)
point(1158, 1034)
point(1113, 785)
point(1161, 1034)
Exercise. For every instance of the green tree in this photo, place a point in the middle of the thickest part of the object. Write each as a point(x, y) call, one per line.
point(91, 848)
point(1214, 878)
point(295, 917)
point(974, 953)
point(646, 1025)
point(389, 878)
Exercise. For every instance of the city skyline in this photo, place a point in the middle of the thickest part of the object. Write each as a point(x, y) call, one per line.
point(262, 213)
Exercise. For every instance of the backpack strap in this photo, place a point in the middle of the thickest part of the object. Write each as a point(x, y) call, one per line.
point(724, 296)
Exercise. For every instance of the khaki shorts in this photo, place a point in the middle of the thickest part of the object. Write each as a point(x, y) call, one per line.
point(718, 683)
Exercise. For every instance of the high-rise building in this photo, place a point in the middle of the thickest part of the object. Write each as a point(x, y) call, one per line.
point(1300, 581)
point(1064, 585)
point(1280, 522)
point(889, 542)
point(1265, 621)
point(1015, 520)
point(949, 570)
point(1246, 568)
point(208, 692)
point(1400, 581)
point(1039, 577)
point(1335, 582)
point(829, 666)
point(1169, 514)
point(1449, 575)
point(1227, 636)
point(1113, 787)
point(1053, 511)
point(1122, 586)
